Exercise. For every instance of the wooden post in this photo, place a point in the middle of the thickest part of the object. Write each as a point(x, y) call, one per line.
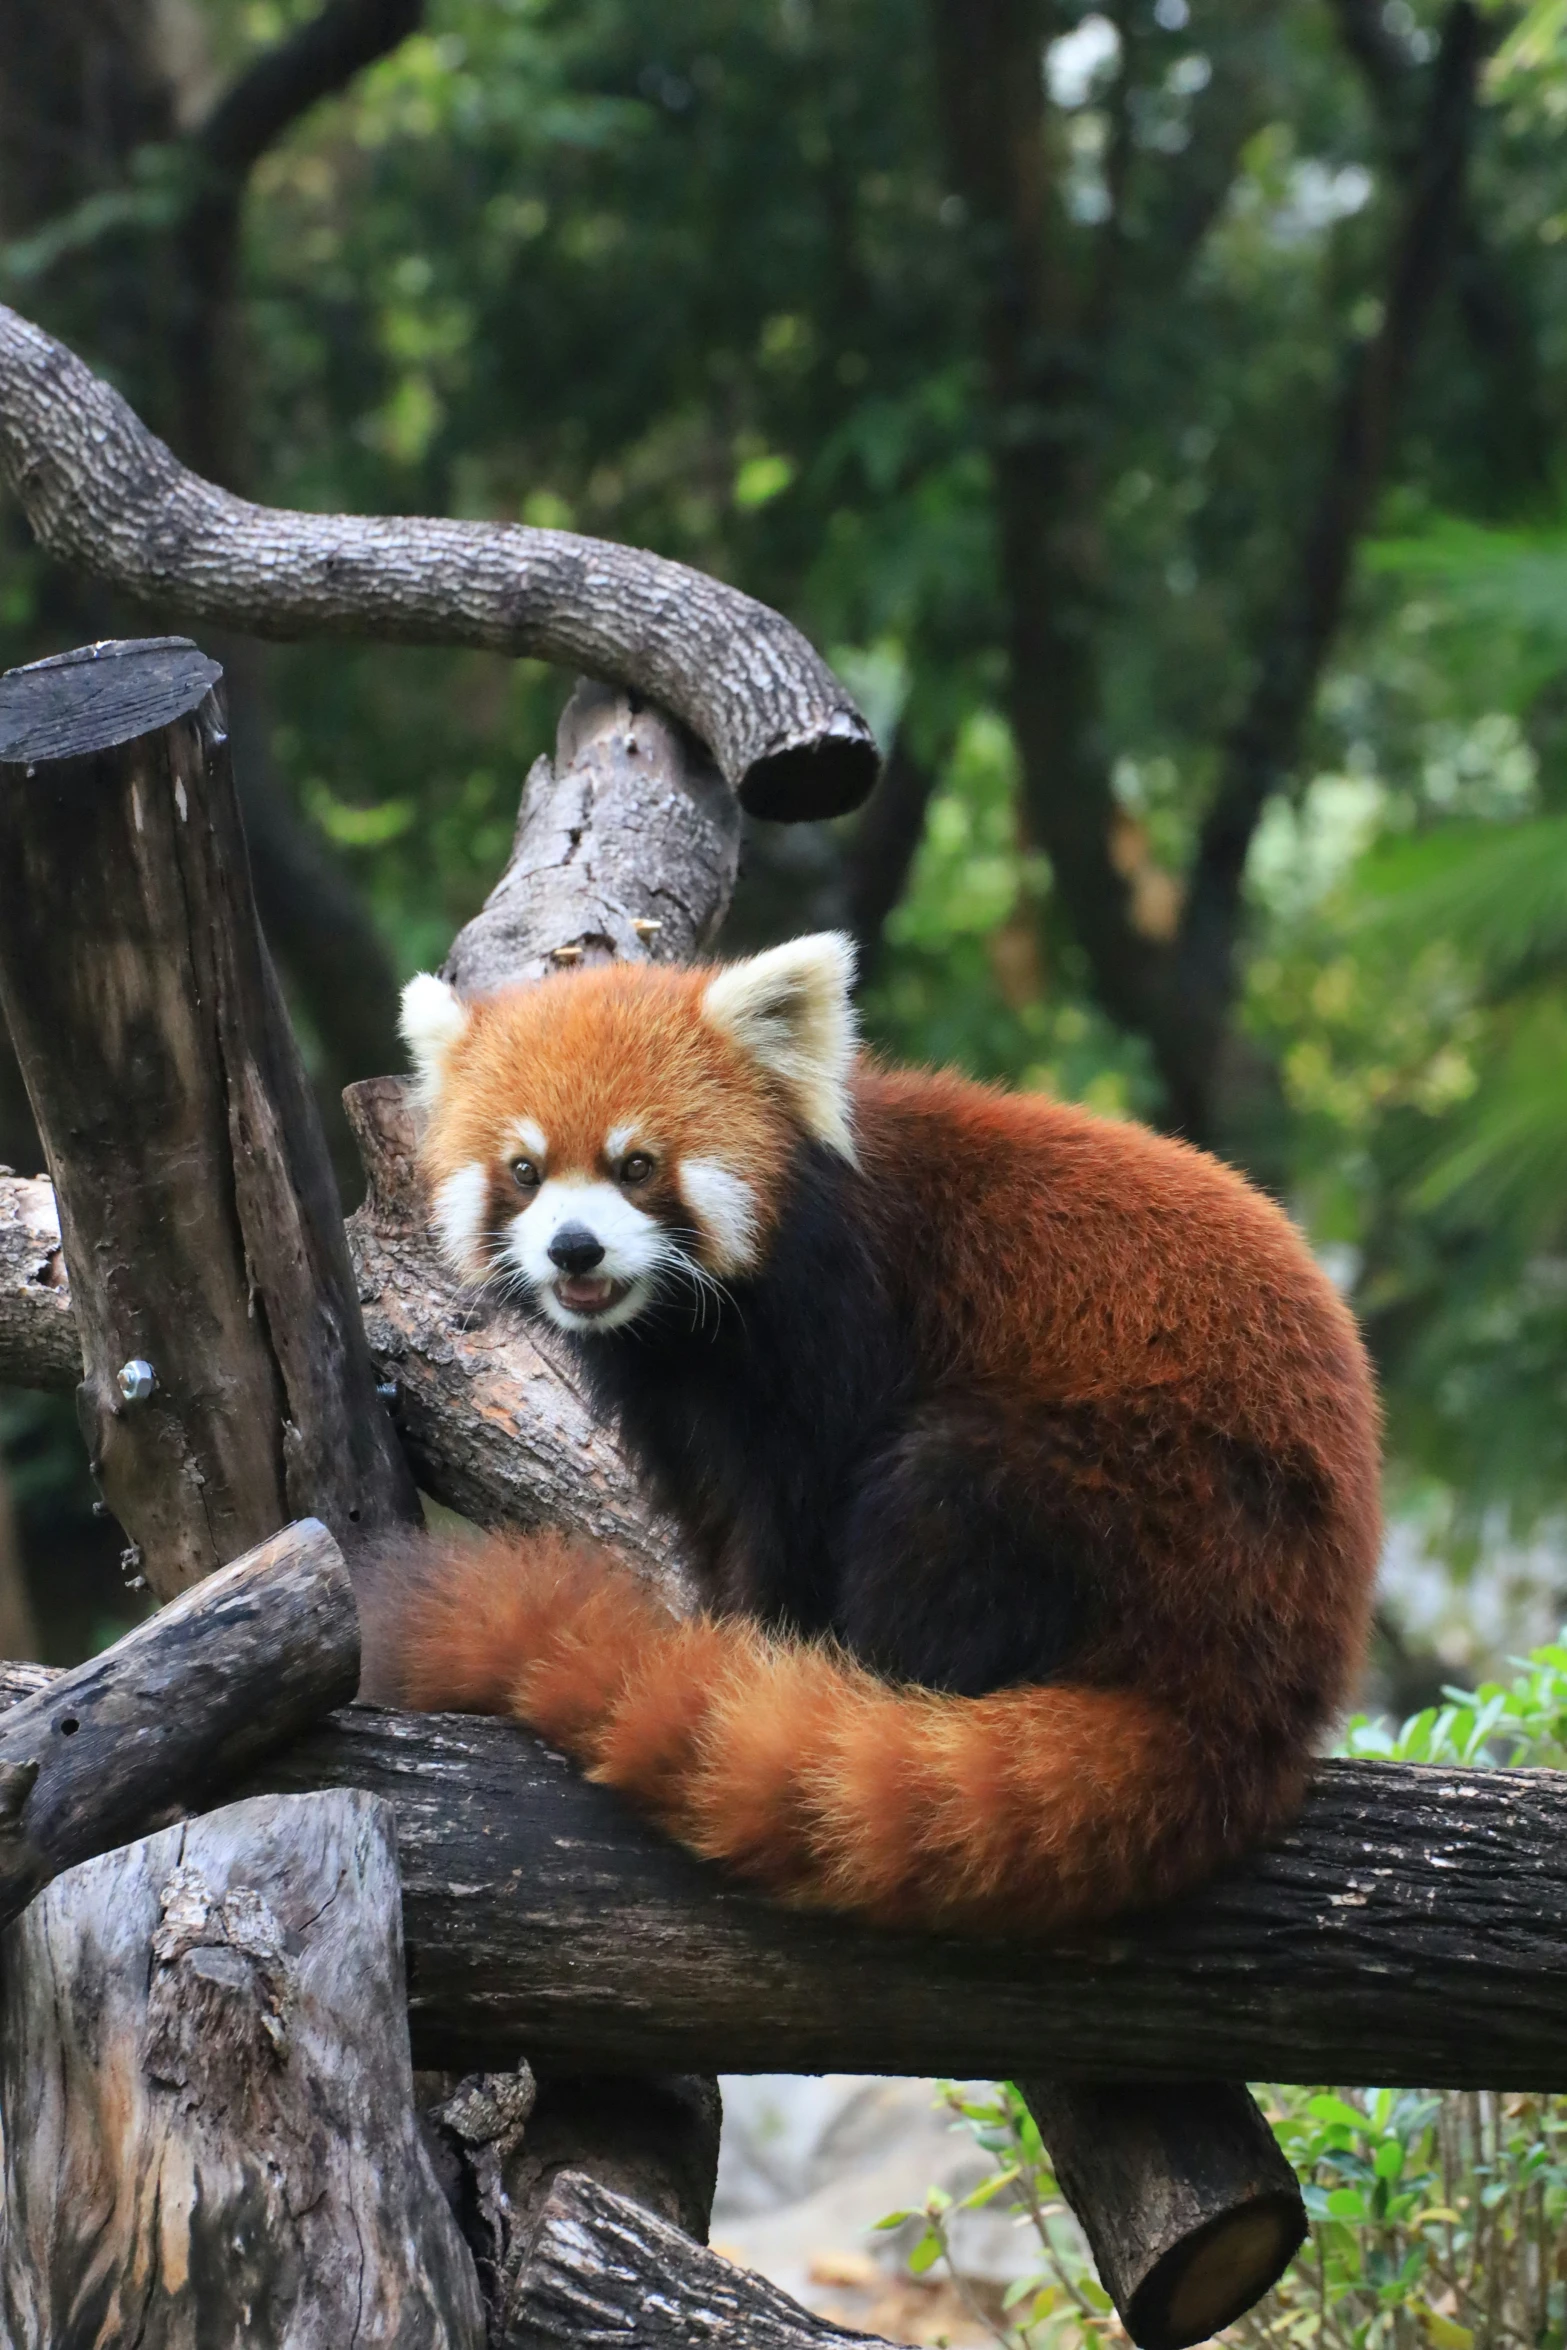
point(223, 2159)
point(227, 1385)
point(208, 2130)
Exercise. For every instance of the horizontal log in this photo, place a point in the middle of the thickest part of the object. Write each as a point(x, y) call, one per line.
point(159, 1722)
point(101, 491)
point(1409, 1929)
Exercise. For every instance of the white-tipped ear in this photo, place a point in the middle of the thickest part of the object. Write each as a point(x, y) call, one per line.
point(433, 1018)
point(789, 1010)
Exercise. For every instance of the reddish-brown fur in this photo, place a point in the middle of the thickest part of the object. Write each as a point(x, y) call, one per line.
point(1141, 1347)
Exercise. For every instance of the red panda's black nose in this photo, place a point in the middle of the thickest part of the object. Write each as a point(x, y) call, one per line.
point(575, 1249)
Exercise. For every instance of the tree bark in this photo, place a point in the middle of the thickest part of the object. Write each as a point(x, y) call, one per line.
point(40, 1345)
point(626, 850)
point(1406, 1930)
point(100, 490)
point(606, 2272)
point(1190, 2210)
point(198, 1210)
point(175, 1709)
point(208, 2114)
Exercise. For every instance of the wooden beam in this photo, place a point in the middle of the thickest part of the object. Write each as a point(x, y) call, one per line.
point(228, 1386)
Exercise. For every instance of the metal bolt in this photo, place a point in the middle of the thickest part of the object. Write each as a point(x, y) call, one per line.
point(136, 1380)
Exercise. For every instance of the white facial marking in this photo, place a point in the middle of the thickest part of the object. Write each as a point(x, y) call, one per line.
point(725, 1206)
point(433, 1017)
point(460, 1204)
point(618, 1141)
point(531, 1138)
point(634, 1247)
point(789, 1010)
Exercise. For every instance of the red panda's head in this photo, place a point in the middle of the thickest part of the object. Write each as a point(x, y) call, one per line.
point(611, 1135)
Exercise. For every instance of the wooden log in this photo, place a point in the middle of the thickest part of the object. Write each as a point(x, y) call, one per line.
point(39, 1346)
point(172, 1712)
point(627, 847)
point(208, 2115)
point(1407, 1929)
point(607, 2274)
point(1190, 2210)
point(227, 1384)
point(102, 492)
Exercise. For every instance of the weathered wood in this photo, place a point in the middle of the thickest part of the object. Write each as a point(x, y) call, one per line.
point(101, 491)
point(502, 2141)
point(627, 848)
point(38, 1342)
point(197, 1206)
point(174, 1710)
point(1190, 2210)
point(1408, 1929)
point(607, 2274)
point(206, 2113)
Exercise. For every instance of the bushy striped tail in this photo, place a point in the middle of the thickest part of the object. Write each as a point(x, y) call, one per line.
point(1036, 1808)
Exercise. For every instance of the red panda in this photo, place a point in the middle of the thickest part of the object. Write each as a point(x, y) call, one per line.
point(1027, 1461)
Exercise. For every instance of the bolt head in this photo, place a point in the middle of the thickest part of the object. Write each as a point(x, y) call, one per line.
point(136, 1380)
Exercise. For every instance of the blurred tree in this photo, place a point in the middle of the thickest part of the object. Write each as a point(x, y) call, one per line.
point(1050, 363)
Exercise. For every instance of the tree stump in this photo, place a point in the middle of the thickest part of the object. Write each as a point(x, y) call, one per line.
point(228, 1386)
point(208, 2132)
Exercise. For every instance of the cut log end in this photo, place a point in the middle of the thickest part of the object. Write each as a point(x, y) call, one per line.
point(1191, 2211)
point(830, 775)
point(76, 704)
point(1209, 2279)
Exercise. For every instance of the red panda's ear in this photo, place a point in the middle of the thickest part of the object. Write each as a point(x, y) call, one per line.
point(432, 1020)
point(789, 1011)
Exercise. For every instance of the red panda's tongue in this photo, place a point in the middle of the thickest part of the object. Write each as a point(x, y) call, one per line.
point(585, 1293)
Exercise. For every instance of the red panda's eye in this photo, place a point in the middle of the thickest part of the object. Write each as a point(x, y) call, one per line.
point(637, 1168)
point(525, 1174)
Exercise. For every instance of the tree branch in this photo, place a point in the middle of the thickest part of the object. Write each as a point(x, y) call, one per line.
point(1265, 743)
point(882, 853)
point(100, 490)
point(285, 81)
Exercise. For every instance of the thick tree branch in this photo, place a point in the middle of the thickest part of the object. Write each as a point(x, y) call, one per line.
point(100, 490)
point(1265, 743)
point(1500, 333)
point(285, 81)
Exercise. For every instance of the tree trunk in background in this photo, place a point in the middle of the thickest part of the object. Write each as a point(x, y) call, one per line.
point(84, 85)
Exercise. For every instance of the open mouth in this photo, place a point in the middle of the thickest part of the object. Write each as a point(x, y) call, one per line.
point(589, 1293)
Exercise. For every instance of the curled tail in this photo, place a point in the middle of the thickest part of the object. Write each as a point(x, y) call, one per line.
point(1038, 1808)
